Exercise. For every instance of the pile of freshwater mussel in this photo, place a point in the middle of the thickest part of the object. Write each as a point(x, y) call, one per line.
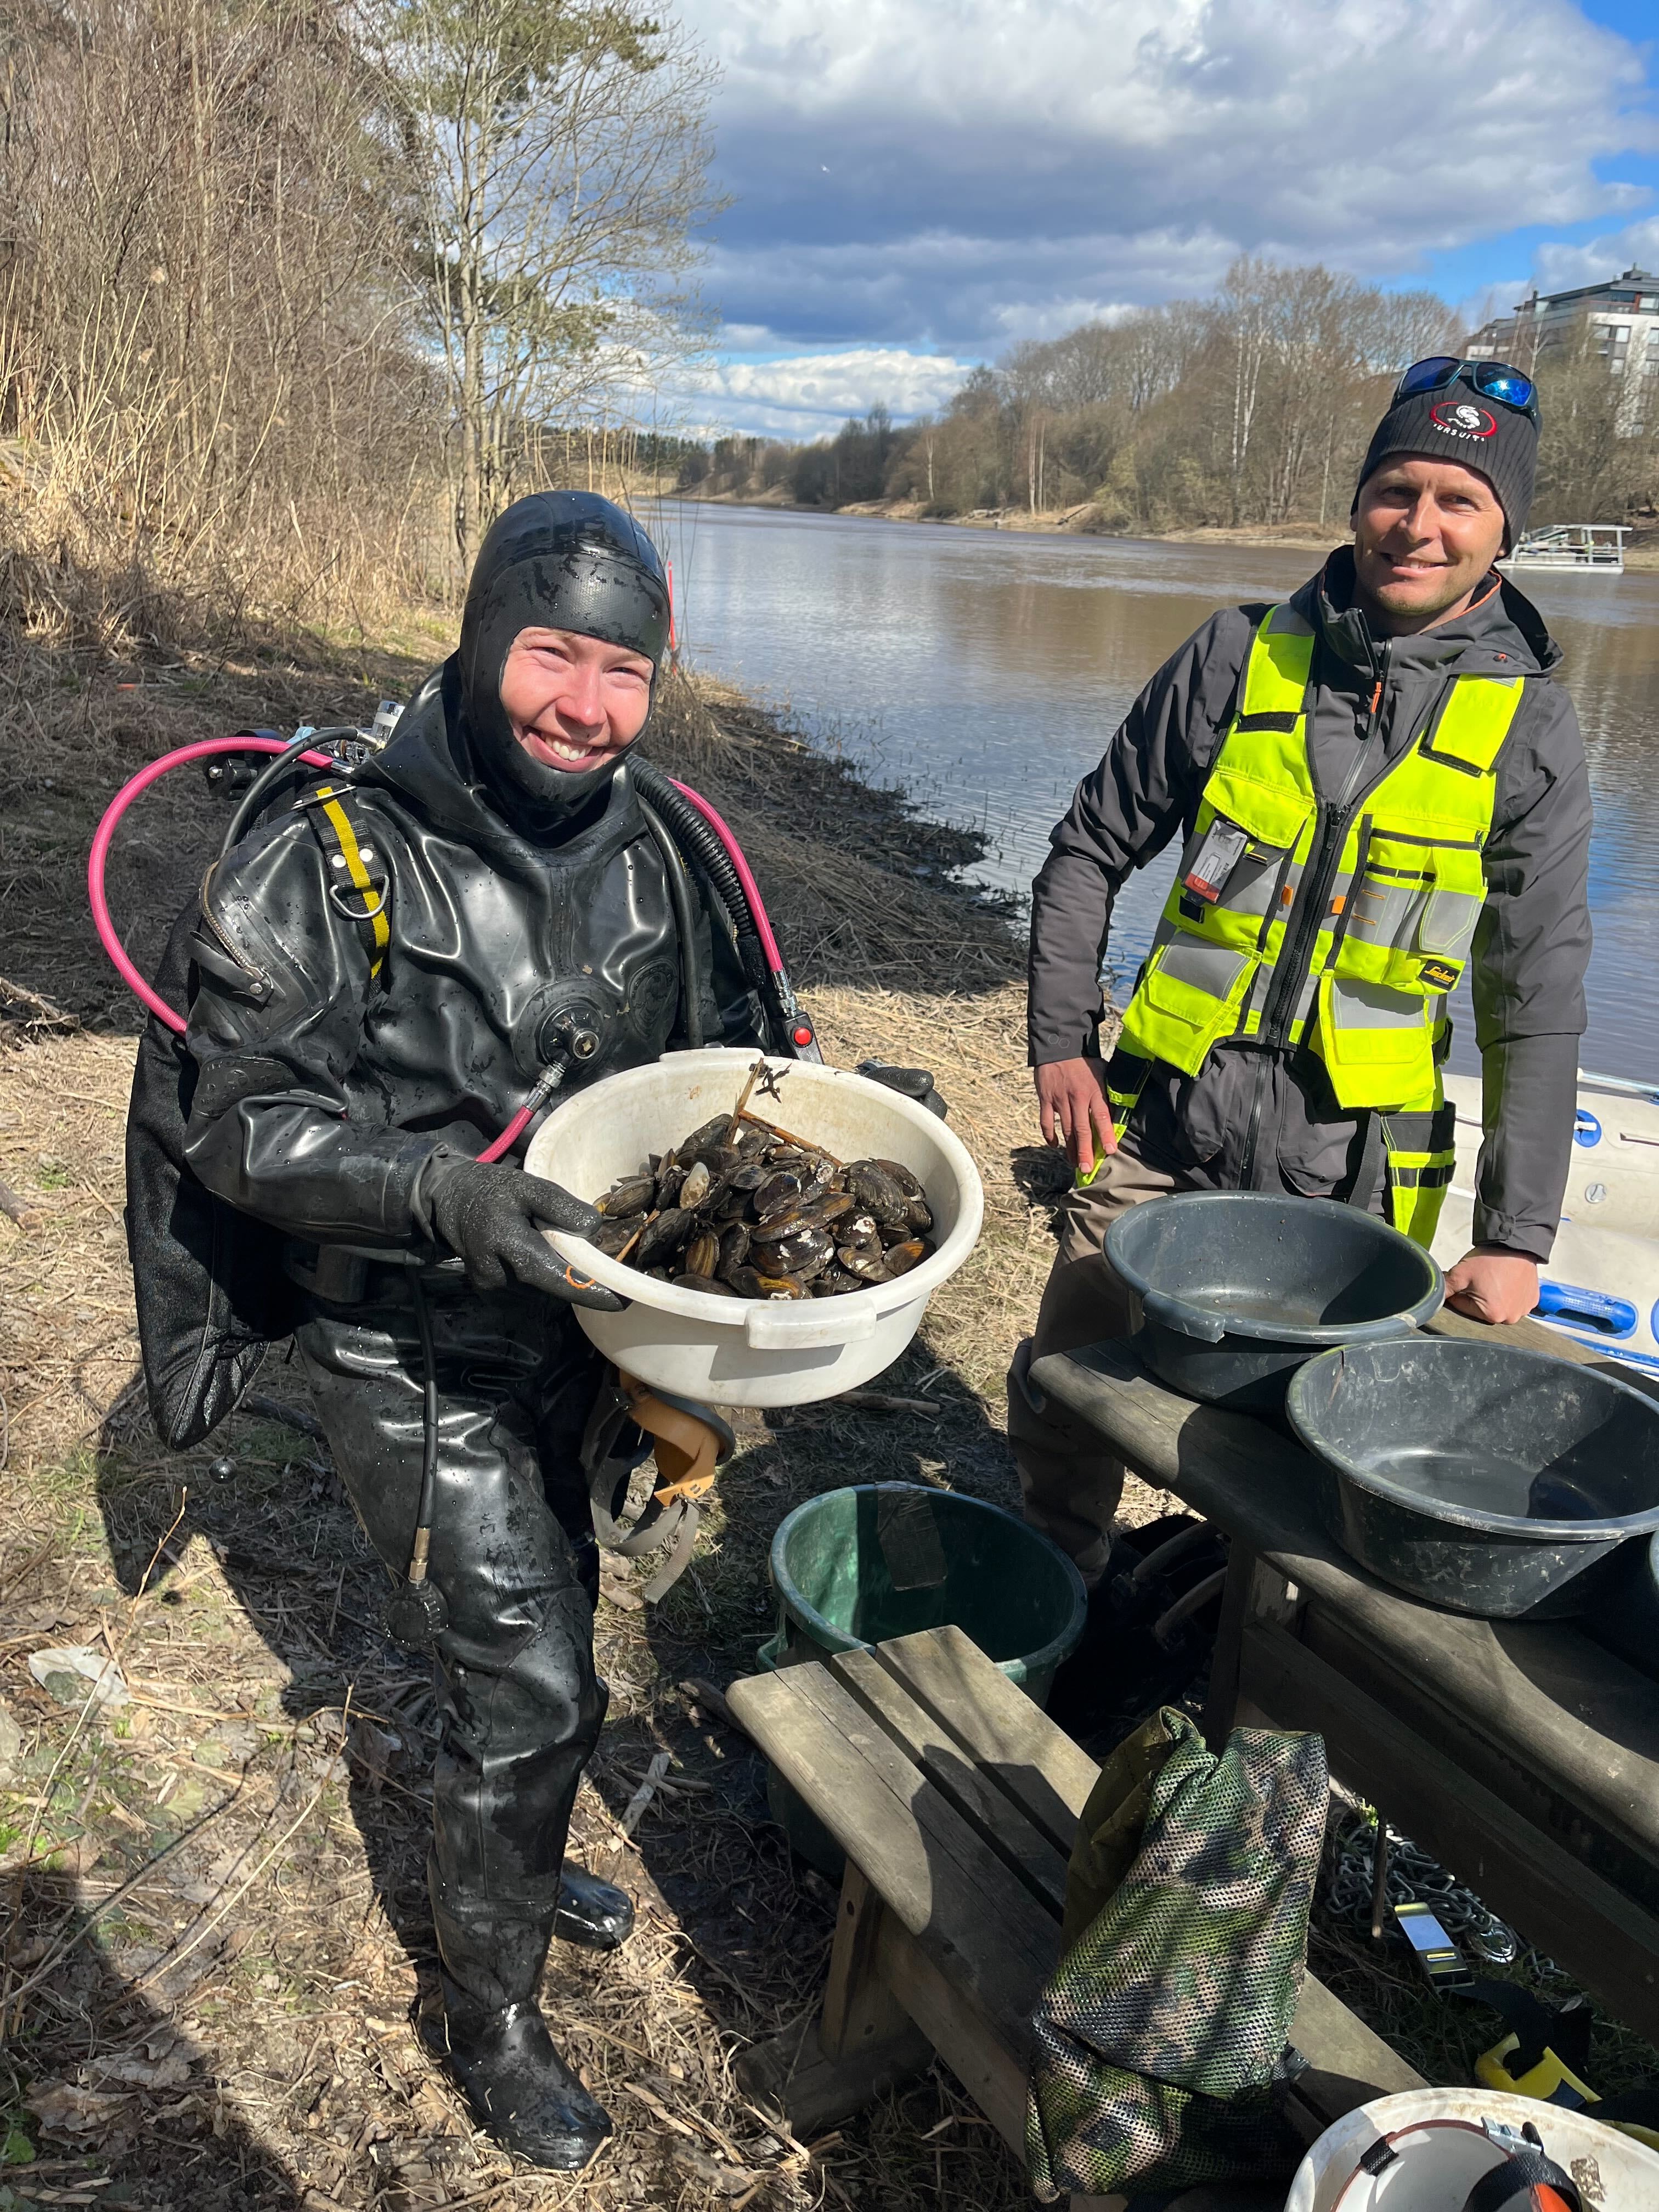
point(742, 1210)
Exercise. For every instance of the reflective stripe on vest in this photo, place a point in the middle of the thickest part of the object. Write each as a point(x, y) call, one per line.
point(1362, 981)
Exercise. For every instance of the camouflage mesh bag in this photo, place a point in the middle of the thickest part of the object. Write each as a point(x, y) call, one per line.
point(1163, 2036)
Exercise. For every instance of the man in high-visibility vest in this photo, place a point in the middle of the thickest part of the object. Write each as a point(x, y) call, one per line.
point(1377, 784)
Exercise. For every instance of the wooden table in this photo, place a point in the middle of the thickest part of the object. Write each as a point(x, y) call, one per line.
point(956, 1800)
point(1525, 1759)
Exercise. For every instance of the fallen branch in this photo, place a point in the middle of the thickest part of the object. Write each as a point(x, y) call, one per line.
point(715, 1701)
point(39, 1013)
point(634, 1812)
point(882, 1401)
point(292, 1417)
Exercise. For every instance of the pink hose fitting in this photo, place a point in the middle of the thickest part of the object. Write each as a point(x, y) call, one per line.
point(102, 920)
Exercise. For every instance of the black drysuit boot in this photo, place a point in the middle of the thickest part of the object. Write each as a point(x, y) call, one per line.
point(593, 1914)
point(498, 2043)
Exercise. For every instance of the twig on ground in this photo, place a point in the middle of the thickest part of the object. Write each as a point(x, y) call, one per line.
point(61, 1951)
point(634, 1812)
point(883, 1402)
point(292, 1417)
point(40, 1013)
point(714, 1700)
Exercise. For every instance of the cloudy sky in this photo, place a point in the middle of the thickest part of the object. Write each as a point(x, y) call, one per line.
point(917, 183)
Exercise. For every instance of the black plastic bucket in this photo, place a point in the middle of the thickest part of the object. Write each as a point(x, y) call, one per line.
point(1482, 1478)
point(1626, 1615)
point(1233, 1290)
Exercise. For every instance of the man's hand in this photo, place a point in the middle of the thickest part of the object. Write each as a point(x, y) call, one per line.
point(1492, 1285)
point(1071, 1095)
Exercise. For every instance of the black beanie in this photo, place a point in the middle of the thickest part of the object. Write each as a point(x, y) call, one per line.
point(1457, 424)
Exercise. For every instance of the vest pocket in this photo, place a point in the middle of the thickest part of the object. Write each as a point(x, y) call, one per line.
point(1375, 1041)
point(1447, 923)
point(1189, 996)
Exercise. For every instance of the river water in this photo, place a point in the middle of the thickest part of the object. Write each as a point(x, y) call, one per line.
point(986, 672)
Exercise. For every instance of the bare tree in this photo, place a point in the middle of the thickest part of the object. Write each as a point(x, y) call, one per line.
point(205, 351)
point(561, 156)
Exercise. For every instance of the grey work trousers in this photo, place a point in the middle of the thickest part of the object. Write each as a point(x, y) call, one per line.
point(1070, 1483)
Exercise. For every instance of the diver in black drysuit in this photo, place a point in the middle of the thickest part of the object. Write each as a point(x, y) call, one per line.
point(347, 1081)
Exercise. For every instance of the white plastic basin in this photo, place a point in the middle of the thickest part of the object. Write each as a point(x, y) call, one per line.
point(1439, 2163)
point(744, 1351)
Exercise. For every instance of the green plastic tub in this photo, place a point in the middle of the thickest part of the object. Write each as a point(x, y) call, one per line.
point(858, 1566)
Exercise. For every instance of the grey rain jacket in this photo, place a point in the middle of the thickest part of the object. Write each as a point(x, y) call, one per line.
point(321, 1094)
point(1260, 1119)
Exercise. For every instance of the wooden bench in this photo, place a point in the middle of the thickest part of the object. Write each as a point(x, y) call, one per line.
point(956, 1800)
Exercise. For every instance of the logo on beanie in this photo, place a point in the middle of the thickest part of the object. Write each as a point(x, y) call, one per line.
point(1460, 418)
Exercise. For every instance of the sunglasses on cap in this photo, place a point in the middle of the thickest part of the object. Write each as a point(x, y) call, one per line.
point(1492, 379)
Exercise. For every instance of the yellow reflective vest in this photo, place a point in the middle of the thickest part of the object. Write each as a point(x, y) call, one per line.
point(1339, 927)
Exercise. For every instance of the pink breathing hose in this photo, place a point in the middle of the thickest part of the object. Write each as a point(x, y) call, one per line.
point(101, 844)
point(205, 749)
point(734, 853)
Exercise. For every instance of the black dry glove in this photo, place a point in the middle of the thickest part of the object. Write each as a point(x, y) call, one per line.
point(487, 1215)
point(915, 1083)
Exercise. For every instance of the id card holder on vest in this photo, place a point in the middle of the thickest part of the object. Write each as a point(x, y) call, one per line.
point(1218, 856)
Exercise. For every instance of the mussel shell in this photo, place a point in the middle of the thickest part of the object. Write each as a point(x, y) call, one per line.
point(750, 1176)
point(779, 1224)
point(831, 1206)
point(628, 1194)
point(802, 1253)
point(861, 1229)
point(869, 1265)
point(835, 1282)
point(779, 1194)
point(667, 1233)
point(902, 1257)
point(918, 1217)
point(707, 1284)
point(734, 1248)
point(695, 1188)
point(669, 1175)
point(750, 1282)
point(611, 1236)
point(702, 1254)
point(710, 1133)
point(877, 1190)
point(908, 1184)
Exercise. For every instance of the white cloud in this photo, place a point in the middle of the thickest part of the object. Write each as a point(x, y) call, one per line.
point(964, 171)
point(806, 395)
point(1561, 268)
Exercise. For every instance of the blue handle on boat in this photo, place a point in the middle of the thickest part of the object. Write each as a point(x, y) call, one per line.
point(1582, 1308)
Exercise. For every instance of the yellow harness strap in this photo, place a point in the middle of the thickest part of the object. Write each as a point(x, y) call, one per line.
point(348, 857)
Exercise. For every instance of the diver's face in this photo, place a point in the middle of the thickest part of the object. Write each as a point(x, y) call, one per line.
point(574, 701)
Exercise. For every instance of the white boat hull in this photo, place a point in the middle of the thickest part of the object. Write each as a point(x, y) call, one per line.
point(1600, 1283)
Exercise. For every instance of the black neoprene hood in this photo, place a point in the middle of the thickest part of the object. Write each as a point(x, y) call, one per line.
point(558, 560)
